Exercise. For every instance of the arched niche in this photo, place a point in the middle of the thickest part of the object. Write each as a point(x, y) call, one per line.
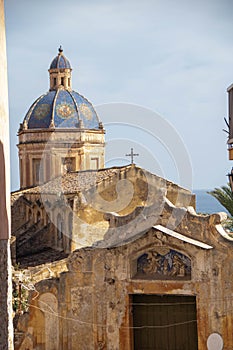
point(29, 215)
point(38, 216)
point(49, 306)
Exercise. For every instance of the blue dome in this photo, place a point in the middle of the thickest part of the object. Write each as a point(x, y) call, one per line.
point(62, 109)
point(60, 61)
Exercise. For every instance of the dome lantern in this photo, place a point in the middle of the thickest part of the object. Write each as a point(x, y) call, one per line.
point(60, 72)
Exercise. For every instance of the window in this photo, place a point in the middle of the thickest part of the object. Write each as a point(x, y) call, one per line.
point(94, 163)
point(59, 231)
point(62, 81)
point(29, 214)
point(68, 236)
point(54, 81)
point(68, 164)
point(37, 172)
point(70, 223)
point(38, 217)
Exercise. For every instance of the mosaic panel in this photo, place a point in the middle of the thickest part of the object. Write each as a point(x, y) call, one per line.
point(42, 112)
point(66, 110)
point(163, 263)
point(86, 112)
point(65, 114)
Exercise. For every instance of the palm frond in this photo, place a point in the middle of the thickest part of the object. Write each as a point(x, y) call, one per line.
point(225, 196)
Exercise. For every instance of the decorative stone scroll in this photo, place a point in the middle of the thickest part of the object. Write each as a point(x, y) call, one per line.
point(164, 264)
point(75, 261)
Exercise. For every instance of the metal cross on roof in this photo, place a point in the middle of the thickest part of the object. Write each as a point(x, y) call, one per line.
point(131, 154)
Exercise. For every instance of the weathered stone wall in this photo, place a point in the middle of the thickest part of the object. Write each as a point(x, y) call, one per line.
point(108, 275)
point(18, 214)
point(92, 300)
point(125, 196)
point(127, 192)
point(93, 297)
point(6, 314)
point(39, 328)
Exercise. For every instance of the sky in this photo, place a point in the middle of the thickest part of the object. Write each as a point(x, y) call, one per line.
point(157, 64)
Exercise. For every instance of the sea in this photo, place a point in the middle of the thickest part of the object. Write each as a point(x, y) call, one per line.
point(206, 204)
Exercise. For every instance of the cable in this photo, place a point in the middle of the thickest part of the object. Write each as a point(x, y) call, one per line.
point(161, 304)
point(105, 325)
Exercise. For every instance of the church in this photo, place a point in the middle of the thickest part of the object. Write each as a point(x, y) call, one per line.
point(108, 258)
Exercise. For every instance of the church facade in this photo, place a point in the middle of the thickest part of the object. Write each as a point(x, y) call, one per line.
point(109, 258)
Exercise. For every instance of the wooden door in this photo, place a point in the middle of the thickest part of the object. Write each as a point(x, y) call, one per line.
point(164, 322)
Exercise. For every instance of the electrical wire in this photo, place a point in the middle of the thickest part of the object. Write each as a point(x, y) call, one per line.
point(53, 313)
